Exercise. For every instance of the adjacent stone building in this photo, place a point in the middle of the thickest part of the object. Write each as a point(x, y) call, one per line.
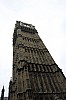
point(36, 76)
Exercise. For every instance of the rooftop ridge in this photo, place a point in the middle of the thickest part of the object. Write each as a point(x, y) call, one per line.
point(25, 24)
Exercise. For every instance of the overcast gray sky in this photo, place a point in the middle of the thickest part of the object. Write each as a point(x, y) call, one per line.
point(49, 18)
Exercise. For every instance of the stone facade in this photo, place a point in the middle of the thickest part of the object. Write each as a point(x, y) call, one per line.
point(36, 76)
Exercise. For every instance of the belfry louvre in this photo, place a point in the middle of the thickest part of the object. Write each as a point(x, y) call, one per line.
point(36, 76)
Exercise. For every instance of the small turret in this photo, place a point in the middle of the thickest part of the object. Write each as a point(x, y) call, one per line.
point(2, 93)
